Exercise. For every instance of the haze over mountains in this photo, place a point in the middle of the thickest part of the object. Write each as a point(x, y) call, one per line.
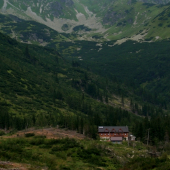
point(79, 64)
point(110, 19)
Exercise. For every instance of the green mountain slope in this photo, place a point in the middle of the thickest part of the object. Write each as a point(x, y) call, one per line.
point(144, 65)
point(38, 87)
point(31, 32)
point(158, 28)
point(110, 19)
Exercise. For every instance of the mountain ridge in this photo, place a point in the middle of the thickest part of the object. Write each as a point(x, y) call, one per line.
point(111, 19)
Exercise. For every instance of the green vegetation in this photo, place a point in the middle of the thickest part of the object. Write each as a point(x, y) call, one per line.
point(142, 66)
point(66, 153)
point(80, 85)
point(58, 154)
point(30, 31)
point(122, 19)
point(148, 163)
point(40, 88)
point(1, 4)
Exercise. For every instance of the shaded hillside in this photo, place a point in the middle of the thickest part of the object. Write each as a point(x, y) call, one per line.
point(40, 88)
point(144, 66)
point(30, 31)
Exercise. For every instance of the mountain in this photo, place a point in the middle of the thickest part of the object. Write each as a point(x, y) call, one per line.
point(144, 65)
point(108, 20)
point(41, 88)
point(31, 32)
point(76, 65)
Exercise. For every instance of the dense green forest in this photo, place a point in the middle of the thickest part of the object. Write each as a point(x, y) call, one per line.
point(143, 67)
point(40, 88)
point(39, 83)
point(45, 87)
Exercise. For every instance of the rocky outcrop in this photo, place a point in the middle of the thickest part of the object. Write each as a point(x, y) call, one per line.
point(156, 1)
point(112, 17)
point(57, 8)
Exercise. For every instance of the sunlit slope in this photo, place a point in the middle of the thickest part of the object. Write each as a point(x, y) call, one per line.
point(159, 27)
point(110, 19)
point(135, 21)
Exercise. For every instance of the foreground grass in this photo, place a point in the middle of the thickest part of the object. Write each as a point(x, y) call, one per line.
point(59, 154)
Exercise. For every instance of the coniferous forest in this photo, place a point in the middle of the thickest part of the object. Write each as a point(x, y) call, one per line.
point(39, 83)
point(40, 88)
point(43, 87)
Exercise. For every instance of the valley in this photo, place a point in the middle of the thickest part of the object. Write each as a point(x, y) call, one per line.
point(70, 66)
point(113, 20)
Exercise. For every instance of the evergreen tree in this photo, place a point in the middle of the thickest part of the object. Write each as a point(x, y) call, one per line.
point(106, 98)
point(122, 100)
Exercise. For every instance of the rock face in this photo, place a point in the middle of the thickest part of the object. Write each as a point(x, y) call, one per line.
point(156, 1)
point(112, 17)
point(54, 7)
point(57, 7)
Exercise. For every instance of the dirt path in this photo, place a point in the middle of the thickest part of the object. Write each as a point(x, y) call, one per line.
point(13, 166)
point(50, 133)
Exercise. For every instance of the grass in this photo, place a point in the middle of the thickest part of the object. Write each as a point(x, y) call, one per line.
point(100, 8)
point(1, 4)
point(144, 15)
point(66, 153)
point(80, 8)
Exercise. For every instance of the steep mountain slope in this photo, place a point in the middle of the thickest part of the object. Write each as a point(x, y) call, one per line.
point(110, 19)
point(143, 65)
point(59, 15)
point(38, 87)
point(31, 32)
point(159, 26)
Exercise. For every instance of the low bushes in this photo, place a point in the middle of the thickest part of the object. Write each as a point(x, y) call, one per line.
point(29, 134)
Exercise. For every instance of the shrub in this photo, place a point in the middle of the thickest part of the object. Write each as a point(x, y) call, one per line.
point(40, 136)
point(29, 134)
point(38, 141)
point(160, 25)
point(2, 133)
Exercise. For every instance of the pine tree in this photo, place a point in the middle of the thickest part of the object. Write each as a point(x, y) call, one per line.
point(26, 52)
point(106, 98)
point(122, 100)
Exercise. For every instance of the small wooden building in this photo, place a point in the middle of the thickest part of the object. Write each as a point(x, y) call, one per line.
point(132, 138)
point(113, 133)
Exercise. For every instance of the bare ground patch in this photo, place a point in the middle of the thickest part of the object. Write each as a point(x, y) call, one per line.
point(50, 133)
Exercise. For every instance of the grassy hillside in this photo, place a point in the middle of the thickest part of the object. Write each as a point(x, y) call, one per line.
point(109, 20)
point(37, 152)
point(135, 19)
point(159, 26)
point(31, 32)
